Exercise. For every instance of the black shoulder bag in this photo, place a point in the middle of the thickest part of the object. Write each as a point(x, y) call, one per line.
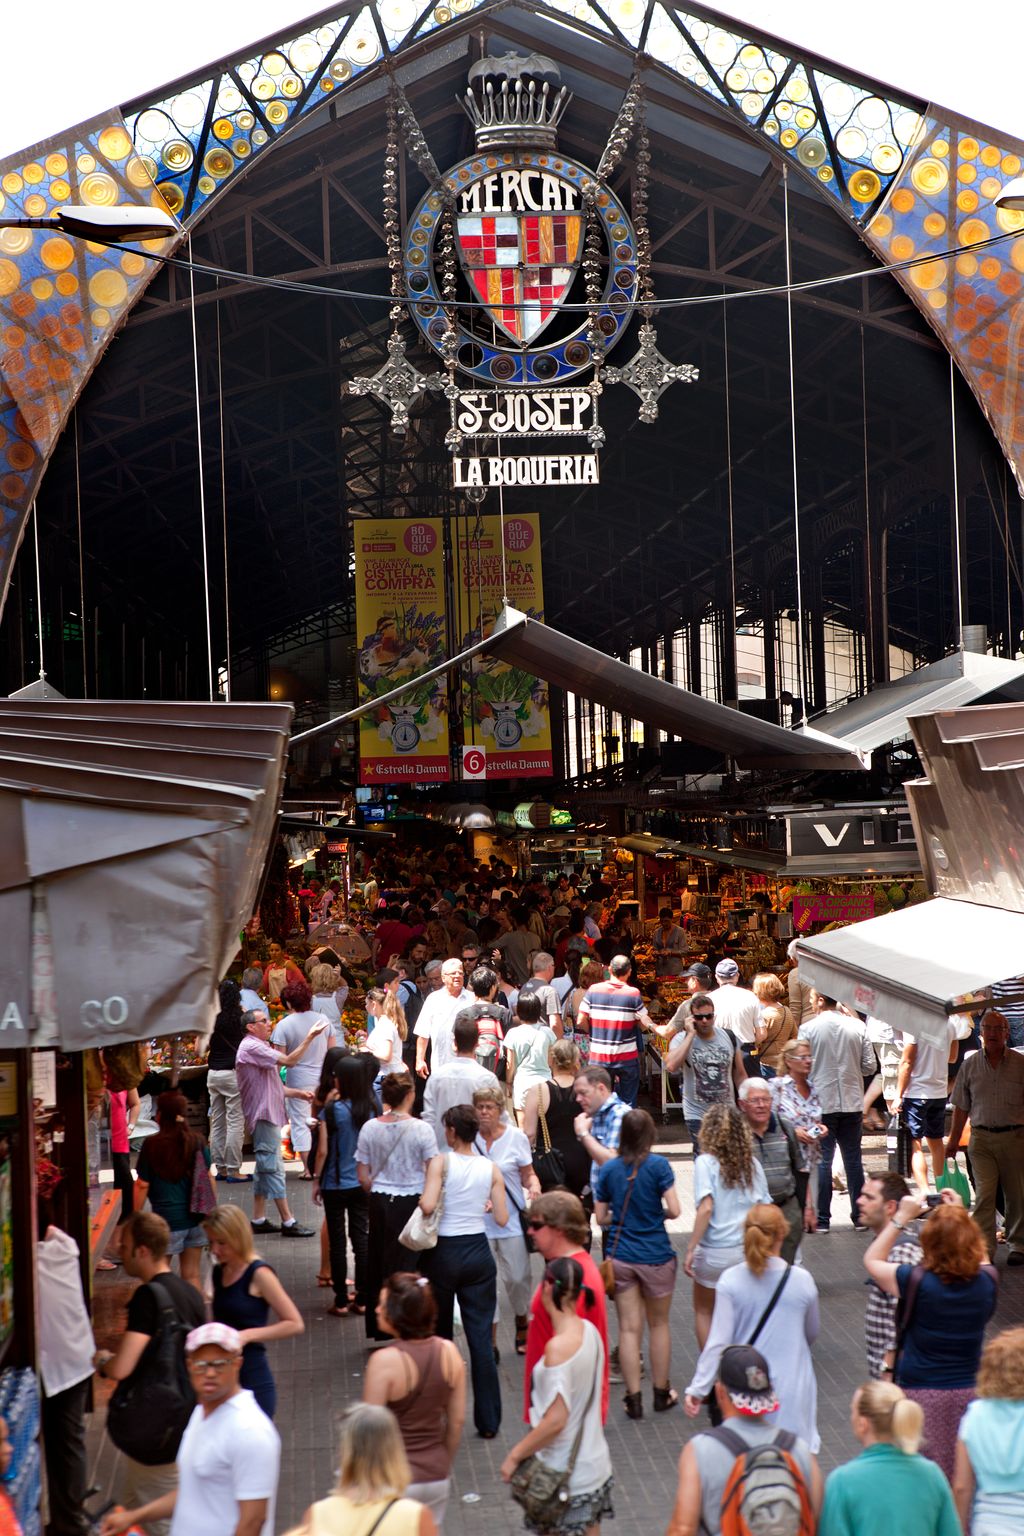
point(150, 1409)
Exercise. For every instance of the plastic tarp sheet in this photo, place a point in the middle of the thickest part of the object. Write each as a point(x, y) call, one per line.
point(140, 830)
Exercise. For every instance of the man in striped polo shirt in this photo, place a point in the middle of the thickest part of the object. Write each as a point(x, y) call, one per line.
point(615, 1012)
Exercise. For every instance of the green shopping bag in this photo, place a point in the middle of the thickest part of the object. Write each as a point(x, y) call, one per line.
point(953, 1177)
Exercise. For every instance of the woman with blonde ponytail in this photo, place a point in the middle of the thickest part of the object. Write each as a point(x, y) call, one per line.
point(771, 1304)
point(889, 1486)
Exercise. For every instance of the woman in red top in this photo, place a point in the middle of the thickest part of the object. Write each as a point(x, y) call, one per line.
point(559, 1228)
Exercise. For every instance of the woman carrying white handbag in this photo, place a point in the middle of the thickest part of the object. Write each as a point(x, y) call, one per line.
point(461, 1263)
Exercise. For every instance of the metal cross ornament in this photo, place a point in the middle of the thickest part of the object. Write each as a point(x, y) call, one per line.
point(397, 383)
point(648, 374)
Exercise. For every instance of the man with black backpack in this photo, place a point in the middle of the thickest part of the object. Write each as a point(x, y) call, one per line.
point(746, 1476)
point(154, 1399)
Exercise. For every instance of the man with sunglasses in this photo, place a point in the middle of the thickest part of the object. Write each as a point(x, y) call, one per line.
point(229, 1455)
point(559, 1227)
point(710, 1060)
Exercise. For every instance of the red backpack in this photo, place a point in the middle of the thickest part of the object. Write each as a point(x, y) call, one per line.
point(765, 1492)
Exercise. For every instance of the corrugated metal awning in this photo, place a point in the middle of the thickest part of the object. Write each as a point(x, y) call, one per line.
point(881, 718)
point(579, 669)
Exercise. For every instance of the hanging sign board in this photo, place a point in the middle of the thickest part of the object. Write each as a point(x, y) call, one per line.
point(525, 413)
point(834, 907)
point(505, 710)
point(527, 469)
point(400, 619)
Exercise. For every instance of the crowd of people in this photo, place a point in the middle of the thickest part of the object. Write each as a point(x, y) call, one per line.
point(486, 1119)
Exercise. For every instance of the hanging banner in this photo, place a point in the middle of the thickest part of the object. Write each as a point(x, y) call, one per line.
point(505, 710)
point(400, 619)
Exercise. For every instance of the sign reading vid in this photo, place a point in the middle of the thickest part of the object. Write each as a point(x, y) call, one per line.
point(505, 710)
point(400, 620)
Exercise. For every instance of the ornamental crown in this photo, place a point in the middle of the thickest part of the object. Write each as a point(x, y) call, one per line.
point(516, 101)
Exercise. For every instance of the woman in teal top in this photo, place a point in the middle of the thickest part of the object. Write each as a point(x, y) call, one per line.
point(888, 1487)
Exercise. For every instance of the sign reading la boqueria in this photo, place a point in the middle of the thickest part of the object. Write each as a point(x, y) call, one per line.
point(526, 469)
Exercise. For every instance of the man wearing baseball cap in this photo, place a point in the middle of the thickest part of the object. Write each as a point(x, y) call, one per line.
point(229, 1456)
point(736, 1007)
point(747, 1403)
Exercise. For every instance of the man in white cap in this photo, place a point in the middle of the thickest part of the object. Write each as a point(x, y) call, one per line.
point(229, 1457)
point(745, 1399)
point(736, 1007)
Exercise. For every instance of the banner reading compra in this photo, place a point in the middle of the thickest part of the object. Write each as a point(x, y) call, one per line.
point(400, 618)
point(505, 710)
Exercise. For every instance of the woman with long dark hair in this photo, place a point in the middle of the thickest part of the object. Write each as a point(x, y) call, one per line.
point(165, 1171)
point(565, 1401)
point(325, 1092)
point(633, 1194)
point(227, 1122)
point(336, 1183)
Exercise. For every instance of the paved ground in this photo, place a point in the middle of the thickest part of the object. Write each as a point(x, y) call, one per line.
point(319, 1374)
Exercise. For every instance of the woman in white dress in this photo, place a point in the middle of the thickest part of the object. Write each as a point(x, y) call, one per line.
point(565, 1395)
point(772, 1304)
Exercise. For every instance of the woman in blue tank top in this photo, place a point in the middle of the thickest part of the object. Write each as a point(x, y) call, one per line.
point(245, 1292)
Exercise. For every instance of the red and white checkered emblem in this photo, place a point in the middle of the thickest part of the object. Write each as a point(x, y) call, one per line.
point(520, 259)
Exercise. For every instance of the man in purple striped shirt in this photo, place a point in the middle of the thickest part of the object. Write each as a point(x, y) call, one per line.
point(258, 1070)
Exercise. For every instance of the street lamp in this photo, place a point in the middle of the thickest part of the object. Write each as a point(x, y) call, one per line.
point(1011, 198)
point(109, 226)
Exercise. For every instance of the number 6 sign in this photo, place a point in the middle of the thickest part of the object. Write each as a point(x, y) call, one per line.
point(474, 763)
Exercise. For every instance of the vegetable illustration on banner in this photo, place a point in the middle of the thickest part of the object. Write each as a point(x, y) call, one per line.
point(505, 710)
point(400, 617)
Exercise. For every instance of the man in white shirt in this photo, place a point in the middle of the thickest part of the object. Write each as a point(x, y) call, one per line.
point(736, 1007)
point(922, 1087)
point(65, 1365)
point(842, 1056)
point(437, 1017)
point(229, 1456)
point(457, 1082)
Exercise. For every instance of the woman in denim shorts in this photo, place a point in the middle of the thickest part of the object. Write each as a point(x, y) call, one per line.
point(165, 1171)
point(633, 1194)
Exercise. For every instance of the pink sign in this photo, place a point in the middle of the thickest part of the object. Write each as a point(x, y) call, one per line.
point(832, 907)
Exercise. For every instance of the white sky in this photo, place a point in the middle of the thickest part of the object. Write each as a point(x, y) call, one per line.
point(82, 64)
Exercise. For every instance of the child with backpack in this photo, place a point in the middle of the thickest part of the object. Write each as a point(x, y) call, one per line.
point(746, 1476)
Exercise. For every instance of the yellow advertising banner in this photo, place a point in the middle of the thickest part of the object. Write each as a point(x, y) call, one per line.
point(400, 618)
point(505, 710)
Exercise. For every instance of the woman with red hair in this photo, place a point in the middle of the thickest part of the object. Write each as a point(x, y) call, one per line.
point(944, 1304)
point(164, 1174)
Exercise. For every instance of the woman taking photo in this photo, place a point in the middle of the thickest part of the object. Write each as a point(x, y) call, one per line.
point(462, 1266)
point(422, 1379)
point(549, 1115)
point(565, 1402)
point(394, 1154)
point(988, 1480)
point(947, 1301)
point(245, 1292)
point(337, 1185)
point(727, 1181)
point(795, 1099)
point(373, 1478)
point(888, 1487)
point(755, 1305)
point(227, 1122)
point(165, 1171)
point(633, 1194)
point(777, 1027)
point(510, 1151)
